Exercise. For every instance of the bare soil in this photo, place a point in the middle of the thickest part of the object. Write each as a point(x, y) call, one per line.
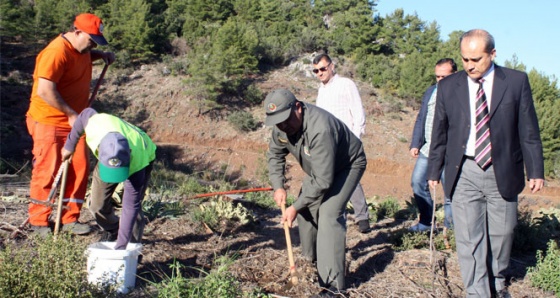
point(198, 139)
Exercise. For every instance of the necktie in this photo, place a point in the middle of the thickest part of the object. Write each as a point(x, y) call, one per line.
point(483, 146)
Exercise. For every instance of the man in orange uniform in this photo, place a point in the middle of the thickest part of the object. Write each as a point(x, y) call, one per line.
point(61, 83)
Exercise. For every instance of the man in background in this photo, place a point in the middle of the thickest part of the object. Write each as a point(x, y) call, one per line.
point(420, 149)
point(61, 82)
point(340, 97)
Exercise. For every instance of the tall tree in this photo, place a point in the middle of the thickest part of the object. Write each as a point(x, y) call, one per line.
point(203, 18)
point(128, 29)
point(352, 27)
point(15, 17)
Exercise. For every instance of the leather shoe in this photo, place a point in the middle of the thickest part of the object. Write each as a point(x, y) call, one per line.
point(503, 293)
point(363, 226)
point(109, 236)
point(42, 231)
point(76, 228)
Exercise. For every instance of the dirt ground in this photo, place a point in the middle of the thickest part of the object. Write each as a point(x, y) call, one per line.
point(194, 137)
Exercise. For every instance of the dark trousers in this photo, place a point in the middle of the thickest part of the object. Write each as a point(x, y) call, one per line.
point(131, 223)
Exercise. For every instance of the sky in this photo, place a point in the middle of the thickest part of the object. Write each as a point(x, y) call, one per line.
point(529, 29)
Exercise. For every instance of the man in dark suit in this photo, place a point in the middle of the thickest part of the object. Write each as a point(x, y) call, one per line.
point(420, 148)
point(484, 132)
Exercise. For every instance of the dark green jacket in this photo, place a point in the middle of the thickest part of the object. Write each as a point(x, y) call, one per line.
point(324, 147)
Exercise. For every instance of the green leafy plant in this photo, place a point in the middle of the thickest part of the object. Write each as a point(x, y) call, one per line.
point(388, 208)
point(253, 95)
point(262, 199)
point(216, 212)
point(532, 233)
point(153, 209)
point(45, 267)
point(242, 121)
point(219, 282)
point(546, 273)
point(405, 240)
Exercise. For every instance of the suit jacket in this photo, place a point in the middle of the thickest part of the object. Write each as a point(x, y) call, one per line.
point(514, 131)
point(418, 135)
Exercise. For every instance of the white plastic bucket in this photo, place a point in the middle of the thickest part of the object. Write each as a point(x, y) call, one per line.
point(107, 266)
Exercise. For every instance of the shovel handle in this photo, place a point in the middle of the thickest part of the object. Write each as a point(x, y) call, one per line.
point(289, 243)
point(96, 88)
point(61, 196)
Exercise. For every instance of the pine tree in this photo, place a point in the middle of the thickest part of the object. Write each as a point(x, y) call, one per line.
point(128, 29)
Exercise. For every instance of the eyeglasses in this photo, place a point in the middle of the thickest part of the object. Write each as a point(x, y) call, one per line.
point(322, 69)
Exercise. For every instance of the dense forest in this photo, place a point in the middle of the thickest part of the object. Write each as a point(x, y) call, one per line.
point(222, 45)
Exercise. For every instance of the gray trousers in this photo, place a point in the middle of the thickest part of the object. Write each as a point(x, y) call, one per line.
point(484, 223)
point(322, 229)
point(131, 225)
point(358, 200)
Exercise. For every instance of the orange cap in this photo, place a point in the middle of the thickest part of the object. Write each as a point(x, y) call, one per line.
point(92, 25)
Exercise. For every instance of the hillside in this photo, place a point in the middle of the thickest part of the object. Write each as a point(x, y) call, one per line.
point(199, 139)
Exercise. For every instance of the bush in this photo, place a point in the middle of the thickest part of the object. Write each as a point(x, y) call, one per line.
point(47, 268)
point(253, 95)
point(546, 274)
point(218, 283)
point(222, 212)
point(405, 240)
point(388, 208)
point(532, 233)
point(243, 121)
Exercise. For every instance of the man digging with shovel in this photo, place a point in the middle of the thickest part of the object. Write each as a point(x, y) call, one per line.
point(334, 160)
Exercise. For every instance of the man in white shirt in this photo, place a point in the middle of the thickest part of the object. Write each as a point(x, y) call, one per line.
point(340, 97)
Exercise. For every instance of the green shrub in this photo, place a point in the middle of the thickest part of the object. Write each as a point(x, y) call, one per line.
point(242, 121)
point(388, 208)
point(153, 209)
point(47, 268)
point(262, 199)
point(405, 240)
point(546, 274)
point(532, 233)
point(253, 95)
point(410, 212)
point(219, 282)
point(219, 212)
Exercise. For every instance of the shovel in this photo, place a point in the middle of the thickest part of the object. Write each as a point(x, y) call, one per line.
point(96, 88)
point(293, 279)
point(61, 196)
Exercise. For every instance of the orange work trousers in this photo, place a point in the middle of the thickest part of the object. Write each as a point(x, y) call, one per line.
point(48, 141)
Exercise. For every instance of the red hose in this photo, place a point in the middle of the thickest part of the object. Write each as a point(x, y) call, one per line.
point(229, 192)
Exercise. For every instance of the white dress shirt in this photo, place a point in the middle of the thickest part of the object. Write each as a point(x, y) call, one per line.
point(341, 98)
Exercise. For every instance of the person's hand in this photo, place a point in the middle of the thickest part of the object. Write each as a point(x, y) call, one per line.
point(280, 197)
point(289, 216)
point(66, 154)
point(536, 185)
point(433, 183)
point(108, 57)
point(72, 118)
point(414, 152)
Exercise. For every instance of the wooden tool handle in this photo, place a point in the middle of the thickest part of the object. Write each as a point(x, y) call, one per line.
point(61, 196)
point(289, 243)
